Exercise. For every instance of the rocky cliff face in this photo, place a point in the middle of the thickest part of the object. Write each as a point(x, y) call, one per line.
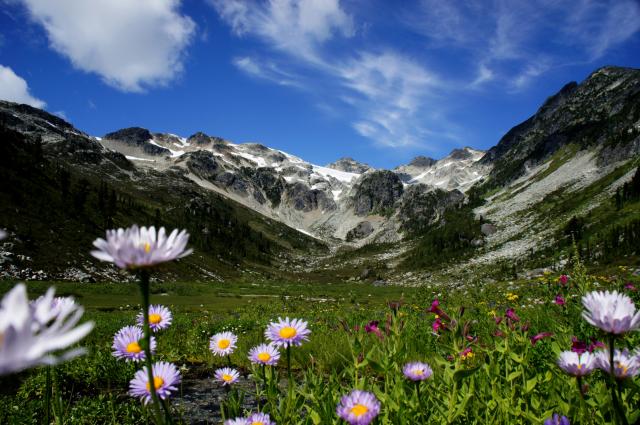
point(602, 111)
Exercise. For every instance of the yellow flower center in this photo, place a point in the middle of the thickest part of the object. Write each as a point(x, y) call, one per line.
point(155, 318)
point(133, 347)
point(147, 247)
point(264, 357)
point(157, 383)
point(227, 378)
point(418, 372)
point(257, 423)
point(224, 343)
point(623, 369)
point(359, 410)
point(287, 332)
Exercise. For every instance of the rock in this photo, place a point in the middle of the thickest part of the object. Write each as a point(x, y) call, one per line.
point(349, 165)
point(366, 272)
point(488, 229)
point(380, 282)
point(362, 230)
point(301, 198)
point(377, 193)
point(422, 162)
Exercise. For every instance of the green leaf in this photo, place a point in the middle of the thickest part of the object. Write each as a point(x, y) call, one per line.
point(514, 375)
point(461, 374)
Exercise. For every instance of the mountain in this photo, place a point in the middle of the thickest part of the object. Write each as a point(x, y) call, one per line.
point(61, 188)
point(326, 202)
point(566, 173)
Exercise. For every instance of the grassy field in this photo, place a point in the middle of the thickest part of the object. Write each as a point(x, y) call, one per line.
point(507, 379)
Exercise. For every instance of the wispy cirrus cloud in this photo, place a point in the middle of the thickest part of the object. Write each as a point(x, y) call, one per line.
point(516, 41)
point(386, 89)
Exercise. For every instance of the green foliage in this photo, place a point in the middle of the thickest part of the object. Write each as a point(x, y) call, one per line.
point(447, 240)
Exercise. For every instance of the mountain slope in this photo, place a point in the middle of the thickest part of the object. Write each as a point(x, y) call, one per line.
point(60, 189)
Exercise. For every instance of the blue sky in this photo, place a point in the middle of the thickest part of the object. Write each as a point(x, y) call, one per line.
point(381, 81)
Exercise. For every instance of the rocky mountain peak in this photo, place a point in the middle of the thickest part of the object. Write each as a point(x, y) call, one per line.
point(422, 161)
point(349, 165)
point(137, 136)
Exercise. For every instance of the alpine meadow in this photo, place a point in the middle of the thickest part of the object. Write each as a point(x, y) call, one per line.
point(153, 277)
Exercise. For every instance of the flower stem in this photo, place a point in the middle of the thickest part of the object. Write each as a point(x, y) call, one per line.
point(616, 402)
point(47, 396)
point(144, 290)
point(289, 363)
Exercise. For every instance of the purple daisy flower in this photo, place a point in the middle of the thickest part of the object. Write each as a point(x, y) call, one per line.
point(137, 247)
point(265, 354)
point(26, 341)
point(358, 407)
point(223, 344)
point(624, 364)
point(126, 344)
point(227, 376)
point(577, 364)
point(557, 420)
point(165, 379)
point(612, 312)
point(237, 421)
point(417, 371)
point(160, 317)
point(260, 419)
point(287, 332)
point(47, 307)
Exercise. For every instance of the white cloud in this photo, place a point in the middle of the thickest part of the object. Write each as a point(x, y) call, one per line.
point(265, 70)
point(131, 44)
point(508, 40)
point(391, 91)
point(385, 88)
point(15, 89)
point(297, 27)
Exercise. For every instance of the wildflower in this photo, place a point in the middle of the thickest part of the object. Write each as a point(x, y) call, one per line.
point(630, 287)
point(237, 421)
point(577, 364)
point(538, 337)
point(227, 376)
point(287, 332)
point(223, 344)
point(358, 407)
point(578, 346)
point(160, 317)
point(612, 312)
point(595, 345)
point(563, 279)
point(417, 371)
point(511, 314)
point(126, 344)
point(265, 354)
point(435, 307)
point(260, 419)
point(512, 297)
point(467, 353)
point(26, 342)
point(47, 307)
point(624, 365)
point(372, 327)
point(165, 379)
point(492, 313)
point(559, 300)
point(557, 420)
point(138, 247)
point(437, 325)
